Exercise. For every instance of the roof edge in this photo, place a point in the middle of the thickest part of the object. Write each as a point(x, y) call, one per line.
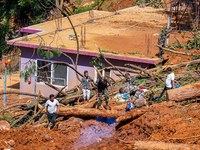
point(30, 30)
point(87, 53)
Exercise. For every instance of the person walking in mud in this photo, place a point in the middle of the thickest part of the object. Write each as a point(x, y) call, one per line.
point(101, 88)
point(52, 108)
point(131, 88)
point(86, 86)
point(161, 42)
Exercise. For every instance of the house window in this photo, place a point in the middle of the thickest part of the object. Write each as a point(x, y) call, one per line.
point(107, 72)
point(55, 74)
point(44, 73)
point(104, 73)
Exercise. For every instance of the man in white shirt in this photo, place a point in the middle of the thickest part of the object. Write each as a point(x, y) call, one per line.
point(169, 81)
point(52, 107)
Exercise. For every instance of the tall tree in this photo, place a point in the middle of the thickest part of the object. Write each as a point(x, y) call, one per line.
point(15, 14)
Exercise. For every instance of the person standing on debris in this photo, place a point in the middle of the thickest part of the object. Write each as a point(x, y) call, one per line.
point(52, 108)
point(161, 42)
point(86, 86)
point(169, 81)
point(101, 88)
point(131, 88)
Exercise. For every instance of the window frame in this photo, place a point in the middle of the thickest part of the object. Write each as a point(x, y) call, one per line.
point(36, 74)
point(103, 73)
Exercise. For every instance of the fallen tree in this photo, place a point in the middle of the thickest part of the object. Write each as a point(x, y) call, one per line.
point(193, 62)
point(122, 68)
point(185, 92)
point(54, 87)
point(23, 93)
point(150, 145)
point(130, 115)
point(88, 112)
point(139, 68)
point(175, 52)
point(140, 102)
point(111, 63)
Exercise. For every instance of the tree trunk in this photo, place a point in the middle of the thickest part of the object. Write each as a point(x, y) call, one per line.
point(193, 62)
point(183, 93)
point(140, 102)
point(87, 112)
point(151, 145)
point(163, 146)
point(23, 93)
point(54, 87)
point(130, 115)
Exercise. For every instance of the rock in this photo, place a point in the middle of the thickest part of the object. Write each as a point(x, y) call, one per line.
point(9, 148)
point(98, 140)
point(4, 125)
point(11, 143)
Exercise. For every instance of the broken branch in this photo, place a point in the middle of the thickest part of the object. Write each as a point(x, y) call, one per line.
point(175, 52)
point(23, 93)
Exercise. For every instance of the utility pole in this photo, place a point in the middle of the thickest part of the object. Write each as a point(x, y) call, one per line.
point(20, 61)
point(4, 82)
point(59, 4)
point(168, 26)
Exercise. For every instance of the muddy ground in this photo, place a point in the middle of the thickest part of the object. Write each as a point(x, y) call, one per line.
point(160, 123)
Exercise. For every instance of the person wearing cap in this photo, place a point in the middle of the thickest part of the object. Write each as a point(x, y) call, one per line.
point(161, 42)
point(169, 81)
point(86, 86)
point(101, 88)
point(52, 108)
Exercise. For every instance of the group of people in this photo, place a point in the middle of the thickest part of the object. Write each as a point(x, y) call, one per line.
point(130, 92)
point(101, 87)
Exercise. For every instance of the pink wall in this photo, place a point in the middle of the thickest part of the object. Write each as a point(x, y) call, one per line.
point(83, 65)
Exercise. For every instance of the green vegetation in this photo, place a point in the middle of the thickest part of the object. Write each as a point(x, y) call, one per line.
point(193, 43)
point(153, 3)
point(4, 31)
point(7, 117)
point(48, 54)
point(131, 53)
point(29, 70)
point(107, 51)
point(140, 81)
point(153, 21)
point(86, 8)
point(20, 13)
point(97, 61)
point(30, 67)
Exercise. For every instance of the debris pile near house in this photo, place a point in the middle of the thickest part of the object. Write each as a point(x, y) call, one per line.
point(32, 113)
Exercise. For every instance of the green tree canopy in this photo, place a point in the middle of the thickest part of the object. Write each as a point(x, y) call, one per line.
point(19, 13)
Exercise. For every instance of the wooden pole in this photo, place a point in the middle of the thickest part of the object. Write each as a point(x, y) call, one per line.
point(37, 102)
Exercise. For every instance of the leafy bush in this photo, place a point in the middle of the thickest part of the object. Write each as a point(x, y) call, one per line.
point(29, 70)
point(86, 8)
point(97, 61)
point(191, 44)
